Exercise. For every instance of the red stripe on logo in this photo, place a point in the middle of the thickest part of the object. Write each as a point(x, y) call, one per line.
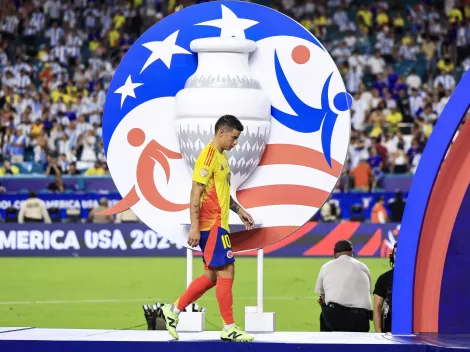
point(288, 154)
point(128, 201)
point(343, 231)
point(372, 246)
point(281, 195)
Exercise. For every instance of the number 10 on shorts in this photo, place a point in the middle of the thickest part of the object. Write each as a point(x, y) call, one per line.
point(226, 241)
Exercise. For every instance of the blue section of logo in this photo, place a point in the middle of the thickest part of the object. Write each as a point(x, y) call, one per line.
point(310, 119)
point(157, 80)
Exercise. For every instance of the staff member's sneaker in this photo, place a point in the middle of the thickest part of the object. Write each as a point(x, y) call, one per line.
point(171, 320)
point(235, 334)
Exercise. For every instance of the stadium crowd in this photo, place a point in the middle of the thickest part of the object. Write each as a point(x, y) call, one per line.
point(399, 59)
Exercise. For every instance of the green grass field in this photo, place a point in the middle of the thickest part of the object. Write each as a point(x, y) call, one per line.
point(108, 293)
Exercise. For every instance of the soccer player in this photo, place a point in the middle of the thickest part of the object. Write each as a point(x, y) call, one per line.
point(210, 204)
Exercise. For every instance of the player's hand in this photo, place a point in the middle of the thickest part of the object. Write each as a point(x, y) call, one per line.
point(247, 219)
point(194, 237)
point(320, 300)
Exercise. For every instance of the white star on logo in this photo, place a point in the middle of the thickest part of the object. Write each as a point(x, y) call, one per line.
point(127, 90)
point(163, 50)
point(230, 24)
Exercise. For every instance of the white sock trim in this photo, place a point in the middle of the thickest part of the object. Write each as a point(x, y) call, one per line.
point(175, 310)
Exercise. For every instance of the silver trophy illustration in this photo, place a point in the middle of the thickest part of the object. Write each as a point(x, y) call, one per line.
point(222, 85)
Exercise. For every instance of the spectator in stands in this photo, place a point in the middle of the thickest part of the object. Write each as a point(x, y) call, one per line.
point(97, 170)
point(363, 176)
point(126, 216)
point(382, 18)
point(397, 207)
point(413, 81)
point(416, 159)
point(416, 101)
point(376, 64)
point(398, 24)
point(345, 181)
point(379, 213)
point(17, 147)
point(57, 61)
point(445, 64)
point(403, 104)
point(63, 163)
point(445, 81)
point(8, 169)
point(357, 151)
point(399, 162)
point(375, 163)
point(394, 118)
point(72, 170)
point(52, 168)
point(364, 17)
point(413, 151)
point(33, 210)
point(100, 219)
point(382, 151)
point(57, 186)
point(377, 123)
point(429, 115)
point(359, 112)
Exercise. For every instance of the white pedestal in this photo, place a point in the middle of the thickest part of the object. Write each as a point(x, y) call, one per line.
point(191, 322)
point(259, 321)
point(256, 320)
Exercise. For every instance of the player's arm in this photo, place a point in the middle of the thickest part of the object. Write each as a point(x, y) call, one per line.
point(319, 288)
point(379, 294)
point(195, 202)
point(194, 207)
point(244, 216)
point(203, 170)
point(234, 206)
point(378, 304)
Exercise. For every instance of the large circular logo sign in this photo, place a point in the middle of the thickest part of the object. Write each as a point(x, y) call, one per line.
point(221, 58)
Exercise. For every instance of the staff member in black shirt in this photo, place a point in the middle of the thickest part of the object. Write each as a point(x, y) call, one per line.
point(383, 298)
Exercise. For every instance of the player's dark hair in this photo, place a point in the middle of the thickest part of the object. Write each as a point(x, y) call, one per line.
point(228, 122)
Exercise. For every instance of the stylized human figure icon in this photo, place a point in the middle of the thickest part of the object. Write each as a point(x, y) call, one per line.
point(153, 153)
point(311, 119)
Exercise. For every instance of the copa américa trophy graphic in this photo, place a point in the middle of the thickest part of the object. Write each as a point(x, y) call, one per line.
point(223, 84)
point(220, 58)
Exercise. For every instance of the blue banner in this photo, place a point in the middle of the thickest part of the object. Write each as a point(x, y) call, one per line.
point(107, 240)
point(137, 240)
point(86, 201)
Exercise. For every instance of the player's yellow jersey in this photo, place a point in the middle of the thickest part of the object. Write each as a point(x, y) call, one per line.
point(212, 170)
